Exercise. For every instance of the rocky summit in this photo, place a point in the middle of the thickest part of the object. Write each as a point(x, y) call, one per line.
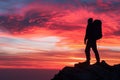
point(81, 71)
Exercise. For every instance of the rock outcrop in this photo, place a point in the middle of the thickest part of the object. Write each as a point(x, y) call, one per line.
point(101, 71)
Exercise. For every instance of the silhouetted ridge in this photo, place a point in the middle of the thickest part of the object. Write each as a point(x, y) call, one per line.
point(101, 71)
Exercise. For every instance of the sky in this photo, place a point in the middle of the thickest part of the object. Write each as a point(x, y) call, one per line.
point(49, 34)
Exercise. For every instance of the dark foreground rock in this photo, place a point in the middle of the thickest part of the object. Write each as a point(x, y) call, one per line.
point(101, 71)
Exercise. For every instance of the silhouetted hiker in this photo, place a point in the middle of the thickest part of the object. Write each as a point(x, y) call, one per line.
point(93, 33)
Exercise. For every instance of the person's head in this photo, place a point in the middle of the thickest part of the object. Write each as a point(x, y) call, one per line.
point(97, 22)
point(90, 20)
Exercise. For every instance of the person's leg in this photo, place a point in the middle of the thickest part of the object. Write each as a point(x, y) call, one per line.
point(94, 48)
point(87, 52)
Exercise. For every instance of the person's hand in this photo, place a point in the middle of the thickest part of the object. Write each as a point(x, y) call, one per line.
point(84, 41)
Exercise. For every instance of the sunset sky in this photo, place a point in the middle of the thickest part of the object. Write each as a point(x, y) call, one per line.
point(49, 34)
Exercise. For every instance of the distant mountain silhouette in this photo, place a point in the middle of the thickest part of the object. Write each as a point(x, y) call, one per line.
point(26, 74)
point(101, 71)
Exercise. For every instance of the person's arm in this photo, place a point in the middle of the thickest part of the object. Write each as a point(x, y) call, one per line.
point(85, 38)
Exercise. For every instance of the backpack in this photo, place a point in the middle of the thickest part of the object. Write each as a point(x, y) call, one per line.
point(98, 29)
